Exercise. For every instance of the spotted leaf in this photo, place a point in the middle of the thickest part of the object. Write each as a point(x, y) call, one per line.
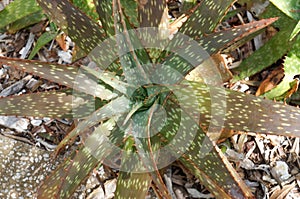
point(151, 12)
point(246, 112)
point(154, 14)
point(83, 31)
point(67, 75)
point(186, 6)
point(209, 21)
point(128, 180)
point(62, 74)
point(201, 157)
point(147, 132)
point(131, 60)
point(69, 175)
point(99, 54)
point(141, 157)
point(137, 183)
point(209, 44)
point(223, 184)
point(178, 135)
point(233, 37)
point(204, 17)
point(104, 9)
point(114, 108)
point(197, 152)
point(54, 104)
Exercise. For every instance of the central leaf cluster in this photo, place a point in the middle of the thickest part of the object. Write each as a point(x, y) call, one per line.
point(147, 95)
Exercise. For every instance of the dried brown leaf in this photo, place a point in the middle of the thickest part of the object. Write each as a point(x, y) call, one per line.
point(61, 40)
point(282, 193)
point(271, 81)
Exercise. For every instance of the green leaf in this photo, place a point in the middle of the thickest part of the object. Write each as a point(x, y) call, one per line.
point(291, 8)
point(71, 173)
point(26, 21)
point(45, 38)
point(296, 31)
point(83, 31)
point(291, 69)
point(17, 10)
point(130, 8)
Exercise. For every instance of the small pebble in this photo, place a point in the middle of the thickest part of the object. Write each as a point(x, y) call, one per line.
point(280, 171)
point(35, 122)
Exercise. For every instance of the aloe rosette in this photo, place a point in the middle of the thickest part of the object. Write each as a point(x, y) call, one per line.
point(144, 113)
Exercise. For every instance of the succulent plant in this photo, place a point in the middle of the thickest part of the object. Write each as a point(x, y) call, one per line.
point(20, 14)
point(142, 111)
point(286, 41)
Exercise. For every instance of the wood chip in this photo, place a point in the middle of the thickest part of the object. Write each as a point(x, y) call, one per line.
point(16, 87)
point(282, 193)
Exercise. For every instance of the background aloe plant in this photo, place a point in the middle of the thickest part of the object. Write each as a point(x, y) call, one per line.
point(285, 41)
point(130, 102)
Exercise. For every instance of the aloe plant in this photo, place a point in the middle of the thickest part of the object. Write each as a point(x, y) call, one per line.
point(20, 14)
point(285, 41)
point(144, 113)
